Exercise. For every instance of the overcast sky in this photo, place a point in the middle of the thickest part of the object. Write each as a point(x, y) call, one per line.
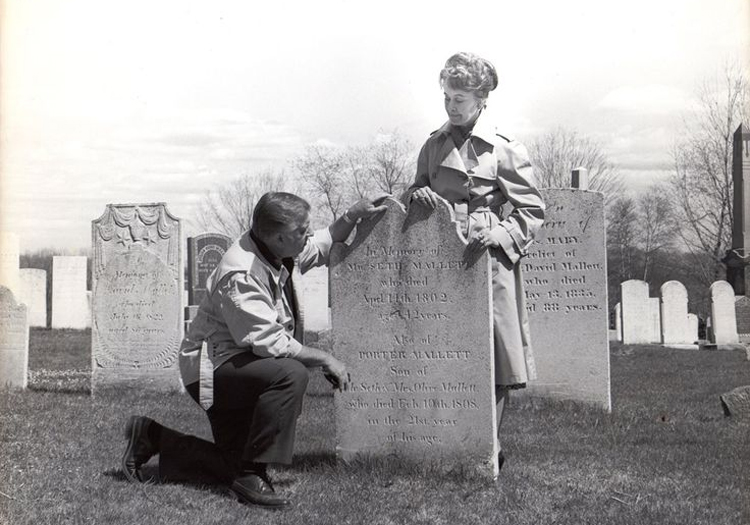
point(147, 101)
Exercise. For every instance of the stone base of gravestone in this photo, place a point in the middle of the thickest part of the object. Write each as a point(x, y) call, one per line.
point(411, 317)
point(681, 346)
point(14, 341)
point(736, 403)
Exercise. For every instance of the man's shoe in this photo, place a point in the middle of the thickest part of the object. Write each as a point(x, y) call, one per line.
point(140, 448)
point(253, 489)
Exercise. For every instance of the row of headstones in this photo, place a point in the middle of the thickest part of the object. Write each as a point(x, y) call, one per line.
point(641, 319)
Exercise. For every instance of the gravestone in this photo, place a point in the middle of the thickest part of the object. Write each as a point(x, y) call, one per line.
point(636, 321)
point(70, 305)
point(312, 288)
point(9, 261)
point(723, 320)
point(411, 317)
point(674, 314)
point(204, 254)
point(618, 321)
point(742, 312)
point(693, 328)
point(736, 402)
point(137, 296)
point(654, 320)
point(565, 280)
point(738, 257)
point(14, 341)
point(33, 293)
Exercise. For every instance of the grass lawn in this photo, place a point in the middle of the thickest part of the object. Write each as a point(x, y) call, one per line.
point(666, 455)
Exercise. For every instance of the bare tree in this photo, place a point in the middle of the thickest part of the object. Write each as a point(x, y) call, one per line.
point(321, 170)
point(229, 208)
point(557, 153)
point(392, 162)
point(702, 178)
point(655, 226)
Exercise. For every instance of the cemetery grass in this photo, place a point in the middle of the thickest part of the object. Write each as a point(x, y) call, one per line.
point(666, 455)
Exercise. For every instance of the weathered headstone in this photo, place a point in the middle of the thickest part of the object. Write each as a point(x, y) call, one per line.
point(674, 314)
point(693, 327)
point(742, 312)
point(204, 254)
point(312, 289)
point(137, 296)
point(411, 317)
point(736, 403)
point(654, 320)
point(738, 257)
point(565, 279)
point(636, 321)
point(724, 322)
point(33, 293)
point(14, 341)
point(9, 260)
point(618, 321)
point(70, 305)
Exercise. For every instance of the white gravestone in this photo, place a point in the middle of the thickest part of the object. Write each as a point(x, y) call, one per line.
point(654, 320)
point(33, 293)
point(636, 322)
point(411, 317)
point(723, 320)
point(618, 321)
point(9, 261)
point(14, 341)
point(693, 327)
point(674, 314)
point(565, 282)
point(70, 306)
point(137, 287)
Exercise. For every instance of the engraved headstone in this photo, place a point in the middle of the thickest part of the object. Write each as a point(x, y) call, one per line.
point(724, 322)
point(742, 311)
point(70, 305)
point(9, 260)
point(636, 322)
point(674, 314)
point(411, 317)
point(565, 279)
point(33, 293)
point(14, 341)
point(654, 320)
point(137, 296)
point(693, 328)
point(204, 254)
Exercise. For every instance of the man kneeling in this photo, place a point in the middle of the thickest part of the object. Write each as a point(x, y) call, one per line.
point(242, 358)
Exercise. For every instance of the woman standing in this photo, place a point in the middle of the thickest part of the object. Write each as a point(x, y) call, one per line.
point(478, 171)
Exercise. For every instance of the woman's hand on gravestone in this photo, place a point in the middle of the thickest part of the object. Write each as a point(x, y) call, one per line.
point(482, 239)
point(425, 197)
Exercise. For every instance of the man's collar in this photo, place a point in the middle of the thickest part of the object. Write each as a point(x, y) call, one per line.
point(269, 256)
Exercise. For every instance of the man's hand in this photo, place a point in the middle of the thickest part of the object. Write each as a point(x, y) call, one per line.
point(366, 208)
point(425, 197)
point(336, 374)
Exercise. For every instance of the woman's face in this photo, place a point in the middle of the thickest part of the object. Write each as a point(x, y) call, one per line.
point(463, 107)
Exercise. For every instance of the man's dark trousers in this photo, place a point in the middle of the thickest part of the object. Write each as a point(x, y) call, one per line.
point(253, 420)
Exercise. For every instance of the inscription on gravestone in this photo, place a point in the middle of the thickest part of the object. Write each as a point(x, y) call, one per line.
point(565, 279)
point(411, 318)
point(14, 341)
point(204, 254)
point(137, 296)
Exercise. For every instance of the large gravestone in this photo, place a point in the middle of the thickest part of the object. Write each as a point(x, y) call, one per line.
point(411, 317)
point(33, 293)
point(738, 257)
point(723, 320)
point(14, 341)
point(636, 328)
point(565, 278)
point(137, 296)
point(204, 254)
point(742, 311)
point(70, 305)
point(9, 260)
point(674, 314)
